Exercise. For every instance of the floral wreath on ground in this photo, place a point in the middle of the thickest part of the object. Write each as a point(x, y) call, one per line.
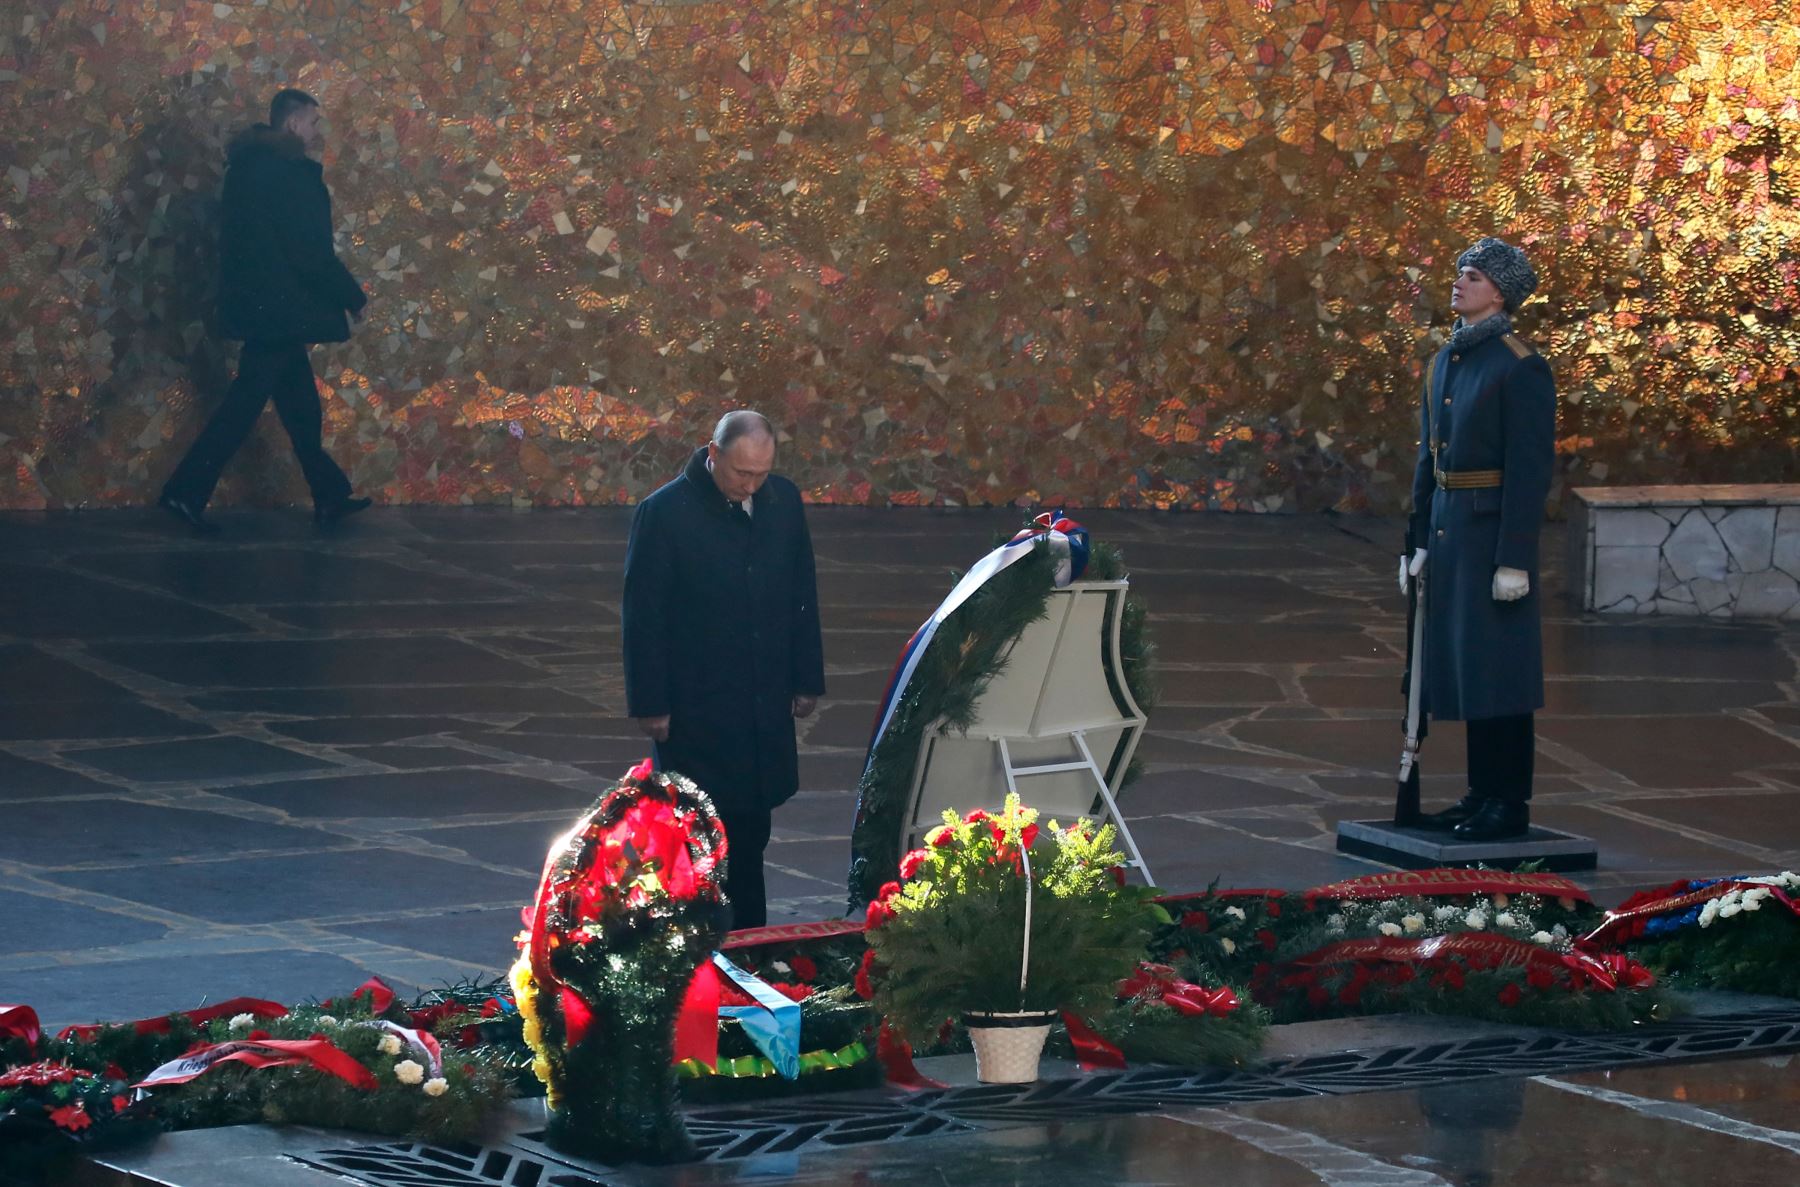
point(1719, 933)
point(1506, 955)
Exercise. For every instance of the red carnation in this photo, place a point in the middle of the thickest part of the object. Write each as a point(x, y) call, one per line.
point(1453, 976)
point(976, 817)
point(1351, 994)
point(1539, 978)
point(804, 968)
point(912, 863)
point(879, 913)
point(1198, 921)
point(121, 1103)
point(888, 890)
point(1267, 939)
point(1510, 994)
point(1118, 873)
point(256, 1036)
point(1316, 997)
point(1274, 908)
point(797, 993)
point(1028, 836)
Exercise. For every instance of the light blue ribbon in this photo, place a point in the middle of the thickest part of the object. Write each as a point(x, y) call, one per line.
point(773, 1023)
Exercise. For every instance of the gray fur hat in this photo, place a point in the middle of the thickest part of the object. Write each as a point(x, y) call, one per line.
point(1503, 264)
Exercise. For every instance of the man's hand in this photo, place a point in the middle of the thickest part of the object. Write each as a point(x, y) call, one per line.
point(655, 728)
point(1511, 584)
point(1410, 569)
point(803, 706)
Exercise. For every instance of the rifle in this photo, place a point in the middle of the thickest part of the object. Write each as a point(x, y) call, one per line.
point(1414, 727)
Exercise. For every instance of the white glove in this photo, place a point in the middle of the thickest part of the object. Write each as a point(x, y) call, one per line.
point(1410, 569)
point(1510, 584)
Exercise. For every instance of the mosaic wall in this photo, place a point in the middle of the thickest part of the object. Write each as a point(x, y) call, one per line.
point(1140, 254)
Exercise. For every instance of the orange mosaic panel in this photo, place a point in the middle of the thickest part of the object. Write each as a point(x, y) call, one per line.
point(1108, 254)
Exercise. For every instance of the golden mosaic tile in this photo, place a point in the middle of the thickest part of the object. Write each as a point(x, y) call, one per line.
point(1139, 254)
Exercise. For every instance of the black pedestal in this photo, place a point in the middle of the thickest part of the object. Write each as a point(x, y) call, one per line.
point(1422, 849)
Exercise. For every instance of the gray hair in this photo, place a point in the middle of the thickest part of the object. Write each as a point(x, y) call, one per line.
point(740, 423)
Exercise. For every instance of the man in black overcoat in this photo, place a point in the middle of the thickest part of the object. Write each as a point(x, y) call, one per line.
point(281, 289)
point(1486, 455)
point(721, 636)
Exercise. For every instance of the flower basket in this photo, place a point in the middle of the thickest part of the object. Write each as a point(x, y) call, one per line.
point(1008, 1046)
point(986, 925)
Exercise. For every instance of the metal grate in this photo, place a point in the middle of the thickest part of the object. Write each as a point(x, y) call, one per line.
point(817, 1123)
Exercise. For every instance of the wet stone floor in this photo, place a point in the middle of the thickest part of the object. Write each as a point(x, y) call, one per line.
point(274, 762)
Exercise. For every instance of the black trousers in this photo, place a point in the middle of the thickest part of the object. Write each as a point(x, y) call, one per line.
point(1501, 754)
point(746, 836)
point(279, 371)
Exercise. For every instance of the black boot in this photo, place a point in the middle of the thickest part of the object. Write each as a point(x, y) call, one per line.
point(191, 513)
point(1498, 820)
point(1454, 815)
point(328, 514)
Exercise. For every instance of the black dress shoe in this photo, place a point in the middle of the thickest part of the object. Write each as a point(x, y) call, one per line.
point(190, 513)
point(327, 514)
point(1454, 815)
point(1498, 820)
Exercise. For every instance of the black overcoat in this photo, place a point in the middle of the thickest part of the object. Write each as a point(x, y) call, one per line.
point(721, 632)
point(1495, 409)
point(280, 279)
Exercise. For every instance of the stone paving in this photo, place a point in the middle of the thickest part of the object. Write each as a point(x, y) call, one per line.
point(275, 762)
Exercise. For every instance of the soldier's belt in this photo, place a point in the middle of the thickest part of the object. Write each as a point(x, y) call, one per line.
point(1467, 479)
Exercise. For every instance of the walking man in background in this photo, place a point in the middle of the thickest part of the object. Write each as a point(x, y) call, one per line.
point(281, 289)
point(1486, 454)
point(721, 637)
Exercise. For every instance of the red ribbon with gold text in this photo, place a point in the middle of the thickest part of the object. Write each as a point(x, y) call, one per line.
point(1446, 882)
point(1608, 971)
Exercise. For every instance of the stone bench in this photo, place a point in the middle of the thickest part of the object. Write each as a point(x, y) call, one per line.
point(1718, 551)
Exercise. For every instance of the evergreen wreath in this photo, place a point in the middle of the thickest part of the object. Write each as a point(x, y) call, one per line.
point(1747, 939)
point(630, 905)
point(965, 655)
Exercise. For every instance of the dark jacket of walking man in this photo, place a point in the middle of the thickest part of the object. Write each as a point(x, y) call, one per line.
point(721, 637)
point(1486, 457)
point(281, 289)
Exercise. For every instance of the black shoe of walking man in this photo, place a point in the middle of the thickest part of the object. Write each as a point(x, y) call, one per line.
point(327, 515)
point(188, 512)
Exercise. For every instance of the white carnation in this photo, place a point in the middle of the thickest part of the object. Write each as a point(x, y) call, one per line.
point(1335, 923)
point(1542, 937)
point(327, 1020)
point(1445, 914)
point(1727, 910)
point(1758, 894)
point(781, 966)
point(436, 1086)
point(1708, 913)
point(1560, 932)
point(1225, 943)
point(390, 1045)
point(1506, 919)
point(1476, 920)
point(243, 1021)
point(1390, 929)
point(408, 1072)
point(1235, 912)
point(1752, 904)
point(1413, 922)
